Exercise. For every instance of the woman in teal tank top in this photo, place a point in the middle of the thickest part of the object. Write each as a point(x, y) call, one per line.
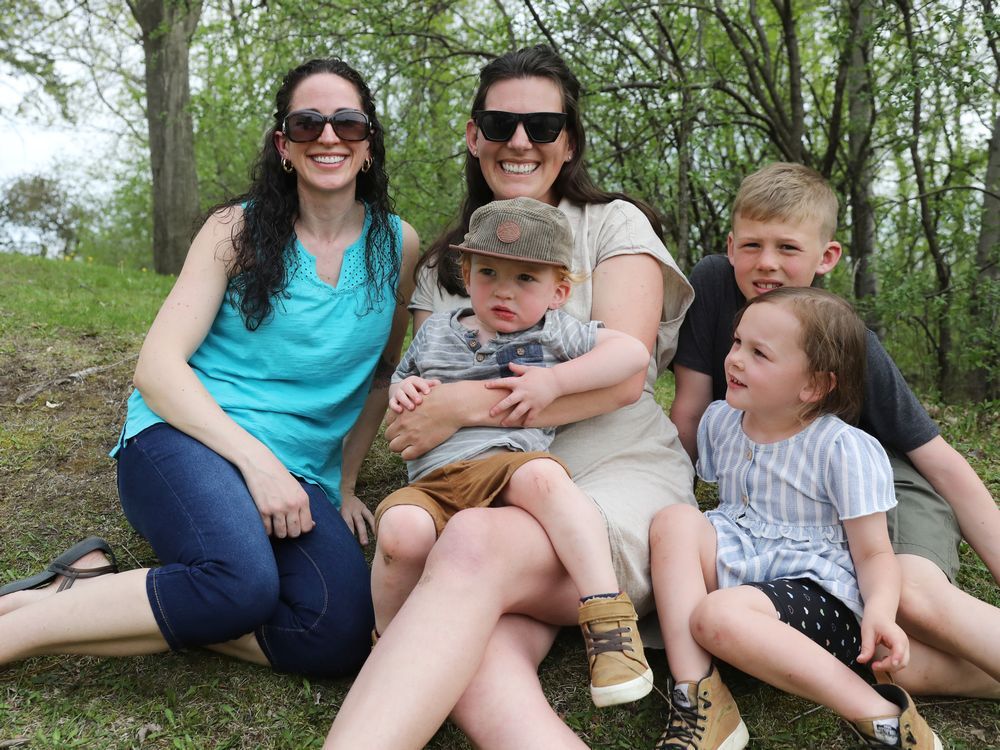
point(259, 389)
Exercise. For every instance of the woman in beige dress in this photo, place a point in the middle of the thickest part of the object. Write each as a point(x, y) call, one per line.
point(469, 639)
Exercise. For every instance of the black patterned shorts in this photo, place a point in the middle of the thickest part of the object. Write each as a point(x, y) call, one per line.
point(804, 605)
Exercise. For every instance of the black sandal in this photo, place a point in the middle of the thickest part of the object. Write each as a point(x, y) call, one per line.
point(62, 566)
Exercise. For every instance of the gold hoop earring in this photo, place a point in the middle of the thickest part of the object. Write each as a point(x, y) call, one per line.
point(367, 165)
point(286, 164)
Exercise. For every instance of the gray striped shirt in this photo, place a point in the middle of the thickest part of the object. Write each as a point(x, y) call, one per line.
point(446, 350)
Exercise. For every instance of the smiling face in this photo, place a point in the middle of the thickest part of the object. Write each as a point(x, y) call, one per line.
point(520, 167)
point(767, 371)
point(512, 295)
point(328, 163)
point(769, 254)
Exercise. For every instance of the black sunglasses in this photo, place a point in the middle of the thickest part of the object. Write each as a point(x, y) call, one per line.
point(541, 127)
point(307, 125)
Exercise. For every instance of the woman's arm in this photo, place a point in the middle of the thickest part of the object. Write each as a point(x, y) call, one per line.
point(627, 297)
point(879, 580)
point(358, 441)
point(172, 390)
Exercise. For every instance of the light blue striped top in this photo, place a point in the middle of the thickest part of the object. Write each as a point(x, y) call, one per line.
point(781, 504)
point(298, 382)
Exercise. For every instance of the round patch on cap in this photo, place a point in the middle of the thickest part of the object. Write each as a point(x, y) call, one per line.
point(508, 231)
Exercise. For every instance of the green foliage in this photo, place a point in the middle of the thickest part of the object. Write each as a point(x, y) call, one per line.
point(39, 218)
point(681, 101)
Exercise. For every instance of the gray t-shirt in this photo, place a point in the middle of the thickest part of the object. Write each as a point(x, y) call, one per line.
point(445, 349)
point(890, 412)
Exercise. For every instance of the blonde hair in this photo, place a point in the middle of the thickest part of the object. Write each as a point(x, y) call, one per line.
point(788, 192)
point(834, 341)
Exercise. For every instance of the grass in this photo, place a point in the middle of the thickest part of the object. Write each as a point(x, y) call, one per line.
point(57, 484)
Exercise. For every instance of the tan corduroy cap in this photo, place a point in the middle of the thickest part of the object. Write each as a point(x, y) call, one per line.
point(520, 229)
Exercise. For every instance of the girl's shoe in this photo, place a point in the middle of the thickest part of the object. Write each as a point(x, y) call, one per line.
point(913, 734)
point(704, 718)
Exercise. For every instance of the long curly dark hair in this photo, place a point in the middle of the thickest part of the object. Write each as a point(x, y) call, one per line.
point(573, 181)
point(259, 268)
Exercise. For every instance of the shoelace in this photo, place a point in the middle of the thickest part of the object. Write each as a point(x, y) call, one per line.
point(685, 727)
point(616, 639)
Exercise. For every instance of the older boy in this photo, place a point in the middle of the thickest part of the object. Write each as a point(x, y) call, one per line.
point(784, 218)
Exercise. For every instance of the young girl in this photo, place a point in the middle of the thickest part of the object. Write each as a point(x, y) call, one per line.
point(773, 580)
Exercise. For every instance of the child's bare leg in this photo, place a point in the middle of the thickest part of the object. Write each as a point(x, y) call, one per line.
point(406, 534)
point(944, 617)
point(739, 625)
point(572, 521)
point(682, 546)
point(619, 672)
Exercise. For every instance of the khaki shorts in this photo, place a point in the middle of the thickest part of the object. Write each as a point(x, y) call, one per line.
point(462, 484)
point(922, 523)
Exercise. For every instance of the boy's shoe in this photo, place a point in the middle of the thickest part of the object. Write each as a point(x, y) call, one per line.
point(619, 672)
point(914, 734)
point(711, 722)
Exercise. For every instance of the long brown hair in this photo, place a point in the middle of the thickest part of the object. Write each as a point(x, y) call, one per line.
point(573, 181)
point(271, 205)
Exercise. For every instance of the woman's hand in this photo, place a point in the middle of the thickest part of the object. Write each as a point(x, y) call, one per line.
point(356, 514)
point(282, 503)
point(444, 410)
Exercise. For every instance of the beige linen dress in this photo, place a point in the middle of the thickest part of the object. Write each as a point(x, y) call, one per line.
point(630, 462)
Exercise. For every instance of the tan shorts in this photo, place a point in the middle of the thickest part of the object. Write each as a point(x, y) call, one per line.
point(462, 484)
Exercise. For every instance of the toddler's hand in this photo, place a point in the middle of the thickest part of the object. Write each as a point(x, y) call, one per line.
point(409, 393)
point(531, 391)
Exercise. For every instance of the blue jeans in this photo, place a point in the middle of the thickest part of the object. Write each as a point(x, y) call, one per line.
point(308, 599)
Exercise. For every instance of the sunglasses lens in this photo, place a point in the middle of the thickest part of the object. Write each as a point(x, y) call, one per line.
point(541, 127)
point(350, 126)
point(301, 127)
point(544, 127)
point(497, 126)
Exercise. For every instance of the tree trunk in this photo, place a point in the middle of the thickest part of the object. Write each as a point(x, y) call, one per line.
point(167, 27)
point(860, 119)
point(942, 270)
point(986, 289)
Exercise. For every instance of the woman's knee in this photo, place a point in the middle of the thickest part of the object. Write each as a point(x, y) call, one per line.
point(244, 595)
point(406, 534)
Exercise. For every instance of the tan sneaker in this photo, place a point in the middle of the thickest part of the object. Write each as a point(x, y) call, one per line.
point(619, 672)
point(914, 734)
point(709, 721)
